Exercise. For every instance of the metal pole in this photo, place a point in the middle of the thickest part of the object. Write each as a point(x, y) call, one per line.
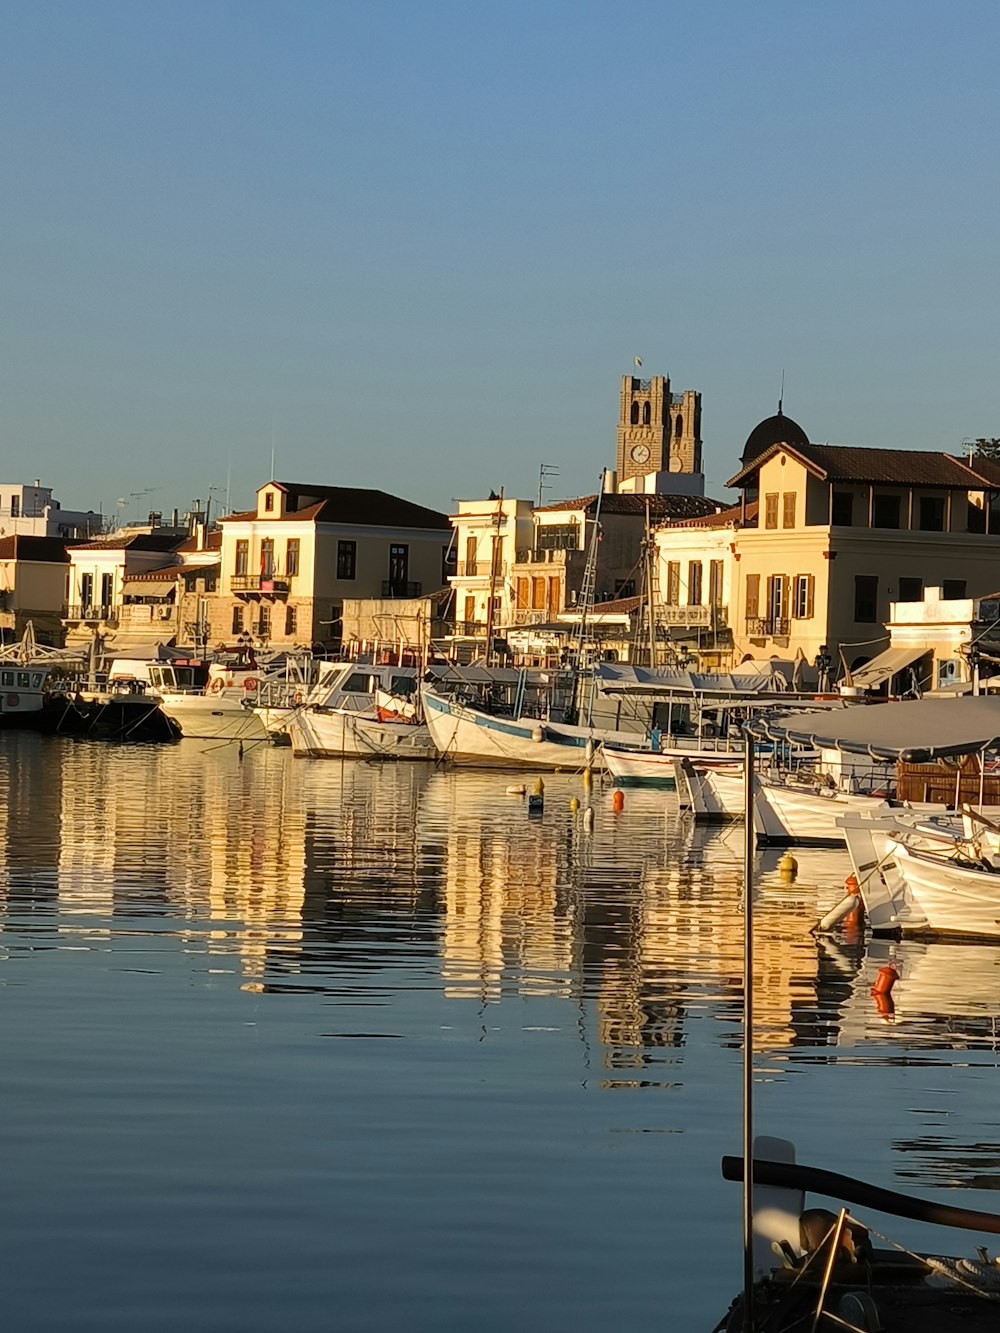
point(748, 850)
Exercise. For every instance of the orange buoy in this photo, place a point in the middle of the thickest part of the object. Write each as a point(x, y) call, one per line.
point(886, 979)
point(851, 884)
point(618, 800)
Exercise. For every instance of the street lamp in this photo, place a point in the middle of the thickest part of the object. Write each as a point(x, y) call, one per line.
point(973, 656)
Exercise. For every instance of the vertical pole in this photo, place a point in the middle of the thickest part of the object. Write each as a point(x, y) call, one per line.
point(748, 850)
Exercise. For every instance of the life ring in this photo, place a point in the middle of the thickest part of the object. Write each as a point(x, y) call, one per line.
point(217, 685)
point(297, 697)
point(250, 684)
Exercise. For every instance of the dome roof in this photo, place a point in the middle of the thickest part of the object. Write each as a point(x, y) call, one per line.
point(778, 429)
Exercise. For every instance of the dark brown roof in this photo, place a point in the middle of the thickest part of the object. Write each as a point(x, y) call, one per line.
point(45, 550)
point(778, 429)
point(213, 542)
point(660, 506)
point(738, 513)
point(349, 504)
point(891, 467)
point(142, 541)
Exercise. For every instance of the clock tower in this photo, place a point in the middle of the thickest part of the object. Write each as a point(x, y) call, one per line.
point(658, 431)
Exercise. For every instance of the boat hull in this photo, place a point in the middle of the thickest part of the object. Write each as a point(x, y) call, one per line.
point(469, 736)
point(207, 717)
point(332, 733)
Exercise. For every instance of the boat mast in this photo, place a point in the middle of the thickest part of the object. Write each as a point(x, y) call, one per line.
point(586, 601)
point(494, 571)
point(650, 600)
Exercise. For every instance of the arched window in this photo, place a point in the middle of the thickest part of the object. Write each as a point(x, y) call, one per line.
point(634, 416)
point(645, 414)
point(679, 427)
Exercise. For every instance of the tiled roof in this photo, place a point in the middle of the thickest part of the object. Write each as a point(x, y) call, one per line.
point(660, 506)
point(723, 519)
point(348, 504)
point(46, 550)
point(893, 467)
point(213, 542)
point(142, 541)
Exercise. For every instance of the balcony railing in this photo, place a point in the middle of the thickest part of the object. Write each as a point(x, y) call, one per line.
point(89, 611)
point(390, 589)
point(480, 569)
point(763, 627)
point(475, 629)
point(539, 555)
point(266, 583)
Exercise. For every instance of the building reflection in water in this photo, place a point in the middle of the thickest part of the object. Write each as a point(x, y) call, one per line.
point(303, 875)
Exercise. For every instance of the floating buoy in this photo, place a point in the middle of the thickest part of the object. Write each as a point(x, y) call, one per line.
point(885, 980)
point(537, 734)
point(574, 803)
point(588, 818)
point(539, 787)
point(618, 800)
point(787, 865)
point(588, 777)
point(517, 790)
point(588, 753)
point(851, 902)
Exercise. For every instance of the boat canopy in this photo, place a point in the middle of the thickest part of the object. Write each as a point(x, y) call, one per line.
point(917, 731)
point(617, 678)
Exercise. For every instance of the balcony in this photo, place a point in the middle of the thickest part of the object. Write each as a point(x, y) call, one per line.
point(545, 555)
point(107, 615)
point(768, 627)
point(480, 569)
point(390, 589)
point(268, 585)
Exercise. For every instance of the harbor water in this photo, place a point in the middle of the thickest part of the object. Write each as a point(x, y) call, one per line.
point(309, 1045)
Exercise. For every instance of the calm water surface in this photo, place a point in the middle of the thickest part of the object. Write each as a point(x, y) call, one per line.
point(306, 1046)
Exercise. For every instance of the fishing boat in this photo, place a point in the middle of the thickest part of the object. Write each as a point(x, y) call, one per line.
point(507, 718)
point(713, 794)
point(788, 812)
point(361, 710)
point(820, 1269)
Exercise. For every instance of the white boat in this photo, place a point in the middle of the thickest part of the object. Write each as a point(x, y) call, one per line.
point(212, 705)
point(359, 710)
point(941, 894)
point(787, 812)
point(22, 691)
point(712, 794)
point(467, 734)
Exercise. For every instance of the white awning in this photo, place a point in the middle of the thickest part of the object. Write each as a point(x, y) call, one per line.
point(148, 587)
point(885, 666)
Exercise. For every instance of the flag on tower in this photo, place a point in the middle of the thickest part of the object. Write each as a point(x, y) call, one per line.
point(638, 361)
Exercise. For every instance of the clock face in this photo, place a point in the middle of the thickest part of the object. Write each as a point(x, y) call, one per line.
point(640, 453)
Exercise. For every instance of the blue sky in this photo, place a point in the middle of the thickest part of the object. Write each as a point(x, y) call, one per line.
point(415, 245)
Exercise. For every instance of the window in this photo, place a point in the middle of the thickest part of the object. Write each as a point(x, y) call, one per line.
point(753, 596)
point(678, 428)
point(555, 596)
point(952, 589)
point(645, 414)
point(15, 506)
point(624, 587)
point(347, 554)
point(291, 620)
point(715, 578)
point(86, 589)
point(264, 621)
point(673, 583)
point(448, 562)
point(842, 509)
point(292, 557)
point(267, 558)
point(557, 537)
point(212, 582)
point(399, 560)
point(470, 615)
point(269, 501)
point(777, 603)
point(471, 566)
point(911, 590)
point(803, 597)
point(360, 682)
point(866, 598)
point(694, 583)
point(932, 513)
point(242, 557)
point(107, 585)
point(885, 511)
point(771, 510)
point(788, 509)
point(238, 619)
point(634, 414)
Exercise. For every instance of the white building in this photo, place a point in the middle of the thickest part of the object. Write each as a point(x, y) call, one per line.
point(30, 511)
